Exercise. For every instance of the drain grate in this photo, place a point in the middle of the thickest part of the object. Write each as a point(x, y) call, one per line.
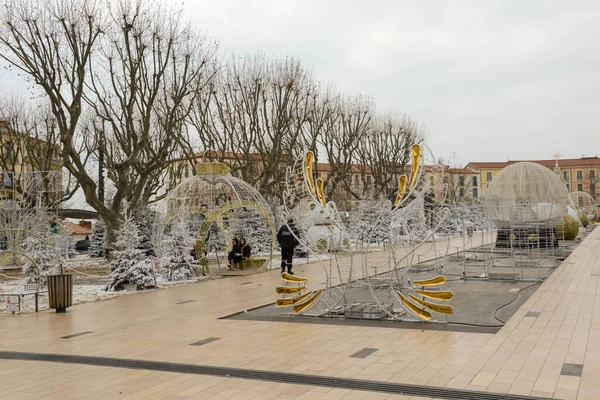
point(532, 314)
point(572, 369)
point(205, 341)
point(186, 301)
point(364, 353)
point(76, 334)
point(270, 376)
point(246, 283)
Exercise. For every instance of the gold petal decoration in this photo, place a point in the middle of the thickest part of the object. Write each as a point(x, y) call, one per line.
point(442, 309)
point(291, 302)
point(298, 308)
point(309, 175)
point(291, 278)
point(438, 280)
point(288, 290)
point(416, 161)
point(424, 315)
point(436, 295)
point(401, 188)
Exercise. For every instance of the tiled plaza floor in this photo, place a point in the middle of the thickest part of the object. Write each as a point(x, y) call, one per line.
point(526, 357)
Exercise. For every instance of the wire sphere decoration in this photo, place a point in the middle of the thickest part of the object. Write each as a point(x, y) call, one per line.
point(213, 200)
point(524, 195)
point(585, 202)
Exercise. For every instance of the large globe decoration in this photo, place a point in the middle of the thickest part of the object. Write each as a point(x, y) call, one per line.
point(526, 201)
point(219, 206)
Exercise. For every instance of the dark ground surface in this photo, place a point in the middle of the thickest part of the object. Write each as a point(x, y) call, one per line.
point(480, 305)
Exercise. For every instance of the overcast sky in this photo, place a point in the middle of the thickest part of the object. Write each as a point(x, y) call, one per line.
point(490, 79)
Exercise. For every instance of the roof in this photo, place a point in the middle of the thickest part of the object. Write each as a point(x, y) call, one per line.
point(465, 171)
point(562, 162)
point(77, 229)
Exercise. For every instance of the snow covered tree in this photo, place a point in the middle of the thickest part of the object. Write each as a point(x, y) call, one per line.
point(66, 243)
point(176, 259)
point(131, 265)
point(98, 241)
point(144, 219)
point(40, 249)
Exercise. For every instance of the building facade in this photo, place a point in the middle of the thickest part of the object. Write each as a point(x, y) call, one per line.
point(578, 174)
point(29, 165)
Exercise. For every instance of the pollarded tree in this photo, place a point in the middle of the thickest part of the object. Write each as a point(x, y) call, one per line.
point(118, 76)
point(176, 260)
point(130, 265)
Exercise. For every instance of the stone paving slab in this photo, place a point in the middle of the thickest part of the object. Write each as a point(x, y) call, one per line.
point(526, 357)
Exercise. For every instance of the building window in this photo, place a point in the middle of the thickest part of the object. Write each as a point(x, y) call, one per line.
point(474, 181)
point(568, 188)
point(566, 175)
point(580, 187)
point(593, 189)
point(592, 175)
point(171, 174)
point(368, 179)
point(461, 192)
point(431, 180)
point(579, 175)
point(461, 181)
point(475, 194)
point(186, 172)
point(488, 176)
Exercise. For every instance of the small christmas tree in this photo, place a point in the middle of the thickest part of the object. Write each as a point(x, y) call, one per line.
point(66, 243)
point(40, 249)
point(131, 265)
point(176, 260)
point(144, 219)
point(98, 241)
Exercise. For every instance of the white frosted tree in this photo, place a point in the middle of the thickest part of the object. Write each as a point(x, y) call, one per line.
point(130, 265)
point(98, 240)
point(176, 260)
point(40, 248)
point(144, 219)
point(66, 243)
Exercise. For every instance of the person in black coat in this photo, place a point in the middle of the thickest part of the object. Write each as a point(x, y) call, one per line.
point(246, 249)
point(235, 255)
point(287, 239)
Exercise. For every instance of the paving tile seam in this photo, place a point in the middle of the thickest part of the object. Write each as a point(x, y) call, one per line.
point(270, 376)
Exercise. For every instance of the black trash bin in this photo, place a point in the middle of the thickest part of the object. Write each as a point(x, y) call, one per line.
point(60, 291)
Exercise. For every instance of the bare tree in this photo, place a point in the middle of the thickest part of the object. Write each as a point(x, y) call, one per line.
point(117, 75)
point(253, 116)
point(31, 156)
point(350, 124)
point(385, 152)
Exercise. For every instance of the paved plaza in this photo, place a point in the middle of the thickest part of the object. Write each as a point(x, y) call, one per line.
point(173, 344)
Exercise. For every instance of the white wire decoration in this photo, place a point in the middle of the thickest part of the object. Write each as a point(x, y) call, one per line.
point(213, 199)
point(404, 224)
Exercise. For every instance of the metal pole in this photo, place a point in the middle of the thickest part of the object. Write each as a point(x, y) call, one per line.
point(101, 174)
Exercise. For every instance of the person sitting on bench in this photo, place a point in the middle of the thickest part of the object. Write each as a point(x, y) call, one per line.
point(246, 249)
point(235, 255)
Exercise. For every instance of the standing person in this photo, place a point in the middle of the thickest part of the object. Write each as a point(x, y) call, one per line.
point(246, 249)
point(235, 255)
point(286, 237)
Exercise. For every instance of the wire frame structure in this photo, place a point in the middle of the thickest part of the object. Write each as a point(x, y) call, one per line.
point(585, 202)
point(526, 201)
point(407, 225)
point(213, 201)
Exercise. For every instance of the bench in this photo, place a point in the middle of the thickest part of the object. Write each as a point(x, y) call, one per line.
point(253, 264)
